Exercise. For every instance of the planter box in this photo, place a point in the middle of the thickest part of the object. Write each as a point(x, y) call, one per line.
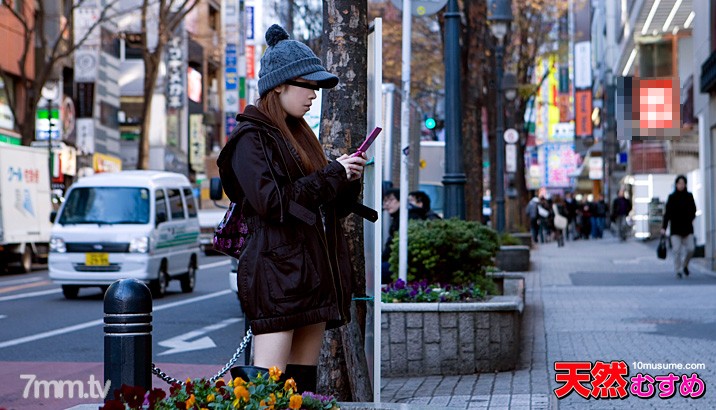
point(448, 339)
point(514, 258)
point(525, 238)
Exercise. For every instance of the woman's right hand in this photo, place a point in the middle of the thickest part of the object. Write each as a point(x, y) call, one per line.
point(353, 165)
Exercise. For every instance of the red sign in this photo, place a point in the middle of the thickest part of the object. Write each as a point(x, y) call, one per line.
point(250, 62)
point(583, 113)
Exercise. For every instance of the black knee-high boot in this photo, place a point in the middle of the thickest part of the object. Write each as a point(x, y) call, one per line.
point(305, 376)
point(248, 372)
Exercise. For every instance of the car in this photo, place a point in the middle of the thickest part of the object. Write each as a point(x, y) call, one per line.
point(128, 224)
point(209, 219)
point(232, 276)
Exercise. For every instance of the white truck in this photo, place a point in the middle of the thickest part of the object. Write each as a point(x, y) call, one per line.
point(25, 205)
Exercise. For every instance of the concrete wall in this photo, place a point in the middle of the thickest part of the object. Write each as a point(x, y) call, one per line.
point(450, 338)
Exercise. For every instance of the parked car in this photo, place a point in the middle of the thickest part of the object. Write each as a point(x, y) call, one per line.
point(129, 224)
point(208, 221)
point(232, 276)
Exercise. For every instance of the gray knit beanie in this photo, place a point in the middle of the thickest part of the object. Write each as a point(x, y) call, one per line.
point(286, 59)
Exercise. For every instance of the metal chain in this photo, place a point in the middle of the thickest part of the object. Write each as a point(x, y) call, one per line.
point(244, 342)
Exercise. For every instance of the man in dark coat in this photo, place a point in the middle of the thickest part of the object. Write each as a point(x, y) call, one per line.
point(620, 209)
point(680, 212)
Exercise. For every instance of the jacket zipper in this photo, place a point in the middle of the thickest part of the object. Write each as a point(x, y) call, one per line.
point(321, 236)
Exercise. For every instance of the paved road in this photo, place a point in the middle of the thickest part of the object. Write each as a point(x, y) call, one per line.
point(45, 336)
point(592, 301)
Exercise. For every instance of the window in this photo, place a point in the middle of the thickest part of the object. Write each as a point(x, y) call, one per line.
point(190, 202)
point(160, 206)
point(175, 204)
point(106, 206)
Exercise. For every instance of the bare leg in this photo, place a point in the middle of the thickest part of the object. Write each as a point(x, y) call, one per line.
point(306, 345)
point(272, 349)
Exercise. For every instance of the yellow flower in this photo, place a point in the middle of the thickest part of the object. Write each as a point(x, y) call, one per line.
point(290, 385)
point(239, 382)
point(274, 373)
point(210, 398)
point(190, 402)
point(241, 393)
point(296, 402)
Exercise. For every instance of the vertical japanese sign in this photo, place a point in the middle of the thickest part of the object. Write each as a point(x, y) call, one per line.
point(176, 73)
point(231, 11)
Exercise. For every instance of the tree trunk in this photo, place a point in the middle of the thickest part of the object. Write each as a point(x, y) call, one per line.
point(343, 371)
point(472, 67)
point(151, 64)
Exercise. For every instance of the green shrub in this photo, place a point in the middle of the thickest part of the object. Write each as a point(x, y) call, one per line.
point(448, 251)
point(506, 239)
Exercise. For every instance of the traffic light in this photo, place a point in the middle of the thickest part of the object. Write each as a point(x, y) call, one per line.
point(430, 123)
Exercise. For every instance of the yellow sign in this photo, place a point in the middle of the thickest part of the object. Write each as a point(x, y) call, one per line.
point(106, 163)
point(423, 164)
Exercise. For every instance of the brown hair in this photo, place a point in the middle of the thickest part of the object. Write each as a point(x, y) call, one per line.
point(296, 131)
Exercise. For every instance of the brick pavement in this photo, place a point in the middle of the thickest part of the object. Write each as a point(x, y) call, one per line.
point(591, 300)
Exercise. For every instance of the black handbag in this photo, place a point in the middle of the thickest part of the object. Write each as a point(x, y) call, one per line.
point(661, 249)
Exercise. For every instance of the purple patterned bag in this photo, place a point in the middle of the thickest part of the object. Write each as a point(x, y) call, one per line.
point(231, 234)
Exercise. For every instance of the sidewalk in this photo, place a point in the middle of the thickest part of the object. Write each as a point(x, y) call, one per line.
point(597, 300)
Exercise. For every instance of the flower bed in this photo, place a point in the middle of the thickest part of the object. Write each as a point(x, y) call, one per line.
point(452, 338)
point(261, 392)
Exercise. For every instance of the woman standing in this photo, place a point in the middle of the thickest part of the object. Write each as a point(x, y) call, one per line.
point(294, 275)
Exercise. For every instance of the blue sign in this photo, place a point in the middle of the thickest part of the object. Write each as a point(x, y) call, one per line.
point(231, 56)
point(250, 22)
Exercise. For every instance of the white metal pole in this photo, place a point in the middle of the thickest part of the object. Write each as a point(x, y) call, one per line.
point(387, 136)
point(404, 144)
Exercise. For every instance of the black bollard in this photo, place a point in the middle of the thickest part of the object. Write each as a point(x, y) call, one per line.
point(127, 335)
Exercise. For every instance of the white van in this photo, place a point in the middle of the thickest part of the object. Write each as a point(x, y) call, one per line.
point(129, 224)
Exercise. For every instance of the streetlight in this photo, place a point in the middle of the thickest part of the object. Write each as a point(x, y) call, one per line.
point(499, 14)
point(454, 179)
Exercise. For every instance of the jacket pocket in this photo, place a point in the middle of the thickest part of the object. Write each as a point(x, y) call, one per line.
point(290, 273)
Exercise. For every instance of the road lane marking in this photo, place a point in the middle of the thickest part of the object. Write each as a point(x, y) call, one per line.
point(23, 280)
point(24, 286)
point(215, 264)
point(181, 343)
point(29, 294)
point(92, 323)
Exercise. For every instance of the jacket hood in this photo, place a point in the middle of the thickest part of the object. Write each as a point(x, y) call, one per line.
point(252, 113)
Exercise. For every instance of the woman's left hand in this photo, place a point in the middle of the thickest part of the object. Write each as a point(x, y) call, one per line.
point(353, 165)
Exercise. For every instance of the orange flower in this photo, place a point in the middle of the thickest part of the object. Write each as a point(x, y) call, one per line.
point(190, 402)
point(241, 393)
point(296, 402)
point(239, 382)
point(272, 400)
point(290, 385)
point(274, 373)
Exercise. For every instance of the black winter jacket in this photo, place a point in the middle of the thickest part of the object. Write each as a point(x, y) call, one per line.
point(295, 269)
point(680, 211)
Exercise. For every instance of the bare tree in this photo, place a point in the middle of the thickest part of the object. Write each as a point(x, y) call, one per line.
point(309, 24)
point(475, 38)
point(534, 20)
point(49, 54)
point(169, 13)
point(344, 371)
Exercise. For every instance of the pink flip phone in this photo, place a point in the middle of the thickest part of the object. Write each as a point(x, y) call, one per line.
point(368, 141)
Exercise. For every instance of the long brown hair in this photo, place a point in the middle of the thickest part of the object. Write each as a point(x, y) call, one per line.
point(296, 131)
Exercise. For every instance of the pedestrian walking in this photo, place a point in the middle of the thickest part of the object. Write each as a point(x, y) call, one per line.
point(679, 215)
point(295, 273)
point(533, 215)
point(620, 209)
point(560, 219)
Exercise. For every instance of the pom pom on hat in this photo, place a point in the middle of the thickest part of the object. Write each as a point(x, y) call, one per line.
point(286, 59)
point(274, 34)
